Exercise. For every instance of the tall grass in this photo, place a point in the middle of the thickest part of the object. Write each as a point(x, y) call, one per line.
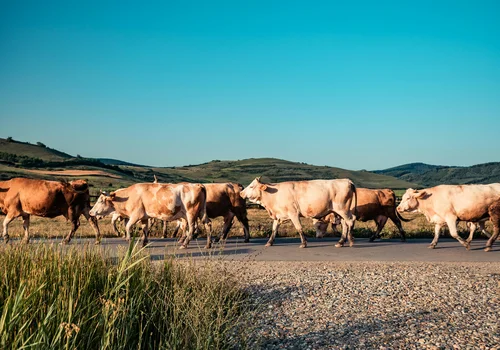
point(53, 298)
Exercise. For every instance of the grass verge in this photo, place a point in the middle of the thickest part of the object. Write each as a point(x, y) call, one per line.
point(57, 298)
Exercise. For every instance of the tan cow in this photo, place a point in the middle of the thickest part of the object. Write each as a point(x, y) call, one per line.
point(223, 199)
point(169, 202)
point(376, 205)
point(447, 204)
point(312, 199)
point(21, 197)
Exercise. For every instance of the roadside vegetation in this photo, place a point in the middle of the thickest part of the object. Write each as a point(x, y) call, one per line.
point(61, 298)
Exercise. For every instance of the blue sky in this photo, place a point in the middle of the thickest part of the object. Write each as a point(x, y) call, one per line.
point(352, 84)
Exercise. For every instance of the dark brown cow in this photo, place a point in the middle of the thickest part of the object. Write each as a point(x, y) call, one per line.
point(21, 197)
point(376, 205)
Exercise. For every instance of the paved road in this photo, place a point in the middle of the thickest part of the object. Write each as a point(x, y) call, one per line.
point(287, 249)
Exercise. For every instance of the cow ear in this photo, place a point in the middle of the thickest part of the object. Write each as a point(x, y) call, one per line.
point(420, 194)
point(112, 195)
point(263, 187)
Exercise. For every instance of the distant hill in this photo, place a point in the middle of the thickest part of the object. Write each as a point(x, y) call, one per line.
point(32, 150)
point(25, 159)
point(432, 175)
point(110, 161)
point(274, 170)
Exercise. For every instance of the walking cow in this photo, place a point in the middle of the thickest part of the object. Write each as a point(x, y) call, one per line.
point(312, 199)
point(143, 201)
point(21, 197)
point(447, 204)
point(376, 205)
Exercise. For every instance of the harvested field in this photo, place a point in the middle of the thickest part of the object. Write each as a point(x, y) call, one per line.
point(75, 173)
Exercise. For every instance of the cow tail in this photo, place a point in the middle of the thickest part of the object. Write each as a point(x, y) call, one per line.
point(355, 201)
point(203, 213)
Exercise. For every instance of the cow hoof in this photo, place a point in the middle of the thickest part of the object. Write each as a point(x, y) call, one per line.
point(467, 246)
point(182, 247)
point(6, 239)
point(487, 249)
point(97, 242)
point(64, 242)
point(247, 240)
point(207, 247)
point(339, 245)
point(268, 244)
point(432, 246)
point(303, 245)
point(351, 244)
point(403, 240)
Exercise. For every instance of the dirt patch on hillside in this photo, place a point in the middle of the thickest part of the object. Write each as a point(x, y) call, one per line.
point(76, 173)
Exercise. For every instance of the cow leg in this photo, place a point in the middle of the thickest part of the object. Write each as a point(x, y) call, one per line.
point(380, 222)
point(228, 223)
point(145, 229)
point(347, 227)
point(75, 223)
point(298, 227)
point(164, 229)
point(128, 228)
point(494, 236)
point(26, 226)
point(242, 217)
point(6, 223)
point(437, 230)
point(208, 228)
point(472, 228)
point(191, 221)
point(92, 220)
point(114, 219)
point(398, 224)
point(452, 226)
point(276, 225)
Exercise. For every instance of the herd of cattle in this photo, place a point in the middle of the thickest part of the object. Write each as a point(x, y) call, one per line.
point(325, 201)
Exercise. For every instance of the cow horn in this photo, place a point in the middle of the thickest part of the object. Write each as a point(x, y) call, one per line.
point(258, 179)
point(105, 193)
point(156, 180)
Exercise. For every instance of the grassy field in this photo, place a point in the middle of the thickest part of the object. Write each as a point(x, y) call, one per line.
point(54, 298)
point(260, 226)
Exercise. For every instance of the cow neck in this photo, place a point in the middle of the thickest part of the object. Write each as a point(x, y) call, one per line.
point(424, 207)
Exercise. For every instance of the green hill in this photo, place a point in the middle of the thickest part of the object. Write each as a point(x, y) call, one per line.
point(432, 175)
point(24, 159)
point(31, 150)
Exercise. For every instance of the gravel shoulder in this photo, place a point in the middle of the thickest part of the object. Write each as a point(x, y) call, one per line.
point(373, 305)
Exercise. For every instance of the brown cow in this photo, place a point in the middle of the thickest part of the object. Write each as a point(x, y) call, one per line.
point(21, 197)
point(169, 202)
point(447, 204)
point(376, 205)
point(313, 199)
point(223, 199)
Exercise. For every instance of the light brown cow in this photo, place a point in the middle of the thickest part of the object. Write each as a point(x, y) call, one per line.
point(169, 202)
point(21, 197)
point(312, 199)
point(377, 205)
point(447, 204)
point(223, 199)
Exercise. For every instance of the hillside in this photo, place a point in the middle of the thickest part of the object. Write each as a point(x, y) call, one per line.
point(27, 149)
point(432, 175)
point(24, 159)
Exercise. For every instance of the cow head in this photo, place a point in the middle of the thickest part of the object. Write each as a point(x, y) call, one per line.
point(321, 227)
point(409, 202)
point(104, 205)
point(254, 191)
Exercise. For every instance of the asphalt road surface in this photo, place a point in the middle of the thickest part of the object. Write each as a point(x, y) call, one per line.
point(287, 249)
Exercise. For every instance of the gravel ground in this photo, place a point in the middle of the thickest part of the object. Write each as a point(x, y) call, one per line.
point(314, 305)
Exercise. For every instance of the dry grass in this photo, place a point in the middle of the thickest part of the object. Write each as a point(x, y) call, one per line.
point(260, 226)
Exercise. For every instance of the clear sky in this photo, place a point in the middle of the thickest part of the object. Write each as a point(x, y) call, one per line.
point(352, 84)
